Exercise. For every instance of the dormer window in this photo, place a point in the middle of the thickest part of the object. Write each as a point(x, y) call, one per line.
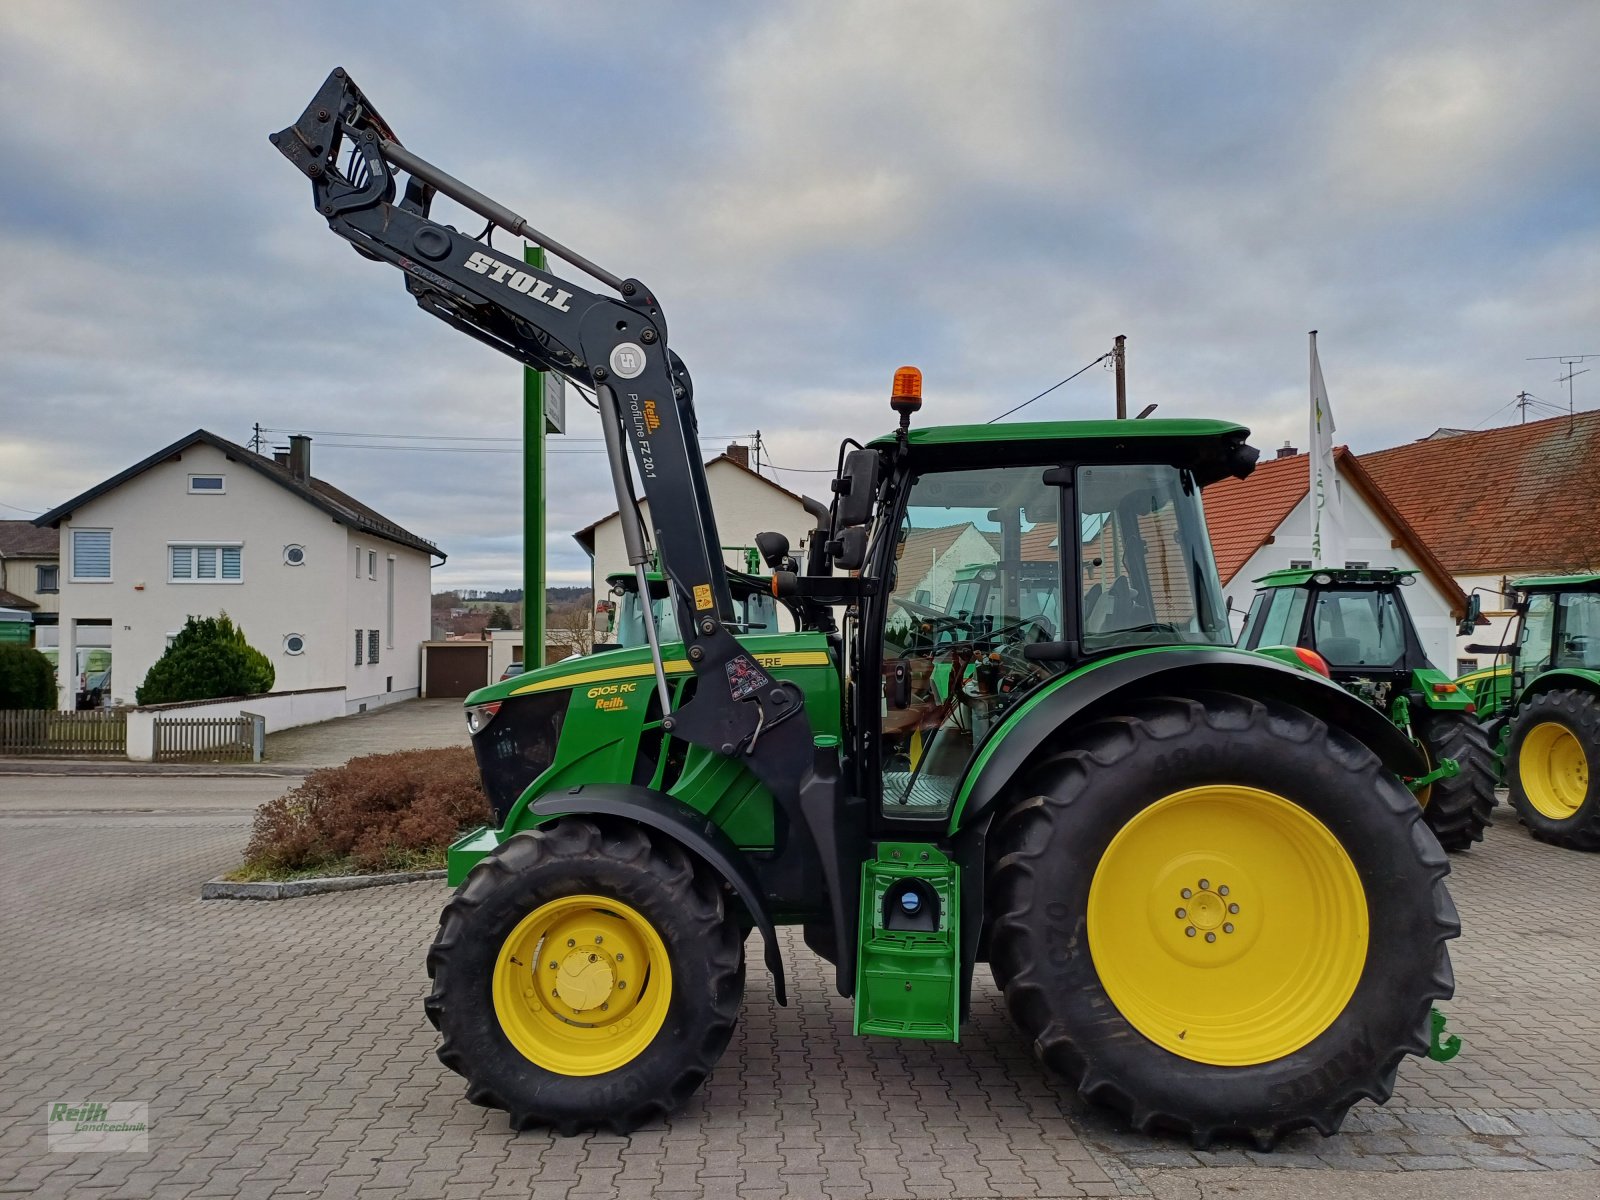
point(207, 485)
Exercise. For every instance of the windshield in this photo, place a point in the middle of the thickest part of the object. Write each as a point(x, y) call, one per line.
point(1359, 627)
point(1578, 644)
point(757, 613)
point(1148, 577)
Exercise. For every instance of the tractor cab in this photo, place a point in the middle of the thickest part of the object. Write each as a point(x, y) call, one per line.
point(1357, 620)
point(621, 624)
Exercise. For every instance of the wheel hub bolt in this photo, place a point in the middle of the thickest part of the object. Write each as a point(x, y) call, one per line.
point(1186, 893)
point(1181, 913)
point(570, 942)
point(1233, 908)
point(1228, 928)
point(1189, 932)
point(619, 958)
point(622, 985)
point(594, 958)
point(1204, 884)
point(599, 941)
point(1223, 890)
point(1211, 937)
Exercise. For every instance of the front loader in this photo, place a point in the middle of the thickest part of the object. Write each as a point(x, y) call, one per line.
point(1540, 704)
point(1193, 870)
point(1358, 624)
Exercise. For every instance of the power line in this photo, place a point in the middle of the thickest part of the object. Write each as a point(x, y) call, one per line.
point(1051, 388)
point(433, 437)
point(32, 512)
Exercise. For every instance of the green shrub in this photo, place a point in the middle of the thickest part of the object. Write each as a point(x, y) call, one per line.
point(381, 812)
point(27, 680)
point(209, 659)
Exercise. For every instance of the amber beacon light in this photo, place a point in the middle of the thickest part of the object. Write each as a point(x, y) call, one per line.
point(906, 398)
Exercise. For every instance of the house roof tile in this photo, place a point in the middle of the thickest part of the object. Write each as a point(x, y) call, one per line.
point(12, 600)
point(1489, 501)
point(24, 539)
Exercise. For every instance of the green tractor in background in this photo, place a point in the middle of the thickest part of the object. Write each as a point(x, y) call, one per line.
point(1541, 707)
point(1358, 623)
point(755, 609)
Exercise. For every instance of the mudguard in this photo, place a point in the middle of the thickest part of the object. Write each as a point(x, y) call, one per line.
point(694, 831)
point(1106, 686)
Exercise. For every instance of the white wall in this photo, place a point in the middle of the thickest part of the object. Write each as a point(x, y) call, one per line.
point(744, 504)
point(280, 711)
point(367, 606)
point(320, 599)
point(1369, 540)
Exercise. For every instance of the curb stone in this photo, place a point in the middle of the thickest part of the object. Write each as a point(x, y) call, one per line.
point(225, 889)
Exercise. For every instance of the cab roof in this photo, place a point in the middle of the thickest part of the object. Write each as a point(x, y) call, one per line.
point(1535, 583)
point(1343, 576)
point(1210, 449)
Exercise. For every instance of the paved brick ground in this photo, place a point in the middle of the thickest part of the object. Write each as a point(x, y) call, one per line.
point(283, 1052)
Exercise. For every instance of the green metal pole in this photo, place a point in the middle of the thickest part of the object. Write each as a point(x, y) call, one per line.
point(533, 429)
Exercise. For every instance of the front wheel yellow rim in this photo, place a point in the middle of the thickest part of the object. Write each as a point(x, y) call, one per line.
point(1228, 925)
point(1554, 770)
point(582, 985)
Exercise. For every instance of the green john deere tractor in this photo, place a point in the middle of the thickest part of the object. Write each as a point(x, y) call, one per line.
point(1193, 870)
point(1358, 623)
point(1541, 707)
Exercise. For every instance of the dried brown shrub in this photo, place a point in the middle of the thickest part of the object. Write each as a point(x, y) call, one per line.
point(380, 812)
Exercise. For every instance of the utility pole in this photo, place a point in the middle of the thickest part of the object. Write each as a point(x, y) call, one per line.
point(1119, 360)
point(534, 427)
point(255, 441)
point(1523, 400)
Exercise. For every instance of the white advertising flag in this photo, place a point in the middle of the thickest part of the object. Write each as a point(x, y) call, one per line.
point(1327, 515)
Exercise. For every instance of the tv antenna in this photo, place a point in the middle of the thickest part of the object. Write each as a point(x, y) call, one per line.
point(1570, 362)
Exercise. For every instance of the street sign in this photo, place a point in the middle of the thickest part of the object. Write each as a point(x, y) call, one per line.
point(555, 402)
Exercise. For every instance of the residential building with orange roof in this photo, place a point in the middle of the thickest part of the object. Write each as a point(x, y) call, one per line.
point(1498, 504)
point(1262, 523)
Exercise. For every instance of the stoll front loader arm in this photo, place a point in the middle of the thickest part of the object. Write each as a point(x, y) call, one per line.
point(618, 346)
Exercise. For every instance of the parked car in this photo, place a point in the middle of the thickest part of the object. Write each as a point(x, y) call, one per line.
point(515, 668)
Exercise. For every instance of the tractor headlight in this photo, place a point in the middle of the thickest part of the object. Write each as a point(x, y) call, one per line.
point(479, 716)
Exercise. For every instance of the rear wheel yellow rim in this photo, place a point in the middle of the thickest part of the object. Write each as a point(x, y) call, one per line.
point(1554, 770)
point(1228, 925)
point(582, 985)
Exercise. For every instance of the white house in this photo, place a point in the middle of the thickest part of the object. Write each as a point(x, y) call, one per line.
point(1262, 523)
point(745, 504)
point(332, 592)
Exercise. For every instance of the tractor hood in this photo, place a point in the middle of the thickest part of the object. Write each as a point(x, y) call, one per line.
point(633, 662)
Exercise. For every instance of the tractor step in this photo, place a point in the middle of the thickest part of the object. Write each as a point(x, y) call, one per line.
point(908, 967)
point(466, 850)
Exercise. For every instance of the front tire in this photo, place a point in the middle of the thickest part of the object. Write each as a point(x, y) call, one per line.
point(585, 978)
point(1270, 1006)
point(1460, 808)
point(1555, 746)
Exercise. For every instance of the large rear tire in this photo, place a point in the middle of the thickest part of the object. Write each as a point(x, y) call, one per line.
point(585, 978)
point(1220, 916)
point(1460, 808)
point(1554, 753)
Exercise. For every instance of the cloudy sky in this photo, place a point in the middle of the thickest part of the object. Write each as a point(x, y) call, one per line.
point(817, 192)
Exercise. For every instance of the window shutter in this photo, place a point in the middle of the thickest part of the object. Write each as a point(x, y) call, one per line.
point(372, 645)
point(182, 561)
point(358, 647)
point(91, 553)
point(205, 562)
point(231, 562)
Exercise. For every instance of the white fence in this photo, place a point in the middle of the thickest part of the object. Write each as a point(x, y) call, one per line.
point(281, 710)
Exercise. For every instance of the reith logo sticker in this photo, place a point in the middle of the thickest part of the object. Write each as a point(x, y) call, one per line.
point(519, 281)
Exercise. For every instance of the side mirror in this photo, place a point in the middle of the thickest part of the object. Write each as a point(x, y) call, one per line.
point(850, 548)
point(857, 487)
point(1469, 622)
point(774, 548)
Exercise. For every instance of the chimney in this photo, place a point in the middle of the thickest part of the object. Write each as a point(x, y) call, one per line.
point(300, 456)
point(1287, 451)
point(739, 454)
point(280, 455)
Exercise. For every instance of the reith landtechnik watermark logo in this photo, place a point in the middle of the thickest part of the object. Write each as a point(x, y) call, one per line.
point(89, 1127)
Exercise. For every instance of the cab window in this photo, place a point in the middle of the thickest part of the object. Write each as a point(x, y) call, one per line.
point(1359, 628)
